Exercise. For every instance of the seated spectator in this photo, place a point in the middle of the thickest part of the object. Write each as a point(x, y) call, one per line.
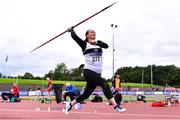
point(97, 98)
point(141, 98)
point(70, 91)
point(14, 93)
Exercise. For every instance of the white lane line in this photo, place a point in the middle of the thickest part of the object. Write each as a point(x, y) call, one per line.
point(92, 113)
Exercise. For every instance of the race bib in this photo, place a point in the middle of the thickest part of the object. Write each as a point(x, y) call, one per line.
point(96, 58)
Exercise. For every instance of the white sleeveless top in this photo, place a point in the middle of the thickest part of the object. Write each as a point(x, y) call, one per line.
point(93, 58)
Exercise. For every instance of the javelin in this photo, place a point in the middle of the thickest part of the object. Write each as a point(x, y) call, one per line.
point(73, 27)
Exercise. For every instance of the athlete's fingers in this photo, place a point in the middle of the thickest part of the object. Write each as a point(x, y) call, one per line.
point(69, 29)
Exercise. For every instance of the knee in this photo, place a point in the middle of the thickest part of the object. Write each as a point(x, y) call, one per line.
point(104, 84)
point(81, 98)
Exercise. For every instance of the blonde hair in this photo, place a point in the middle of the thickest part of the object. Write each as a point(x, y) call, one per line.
point(68, 84)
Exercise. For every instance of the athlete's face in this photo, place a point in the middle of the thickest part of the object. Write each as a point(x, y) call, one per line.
point(91, 36)
point(118, 76)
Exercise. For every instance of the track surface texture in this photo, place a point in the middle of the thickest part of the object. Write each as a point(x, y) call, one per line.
point(28, 110)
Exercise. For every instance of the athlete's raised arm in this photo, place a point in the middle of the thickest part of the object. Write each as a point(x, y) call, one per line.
point(78, 40)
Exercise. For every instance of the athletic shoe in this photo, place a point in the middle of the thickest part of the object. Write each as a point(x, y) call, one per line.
point(119, 109)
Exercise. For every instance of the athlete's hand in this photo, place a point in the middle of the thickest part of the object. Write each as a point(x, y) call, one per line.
point(63, 93)
point(70, 29)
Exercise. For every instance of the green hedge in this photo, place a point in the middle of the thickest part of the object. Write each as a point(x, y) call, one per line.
point(76, 83)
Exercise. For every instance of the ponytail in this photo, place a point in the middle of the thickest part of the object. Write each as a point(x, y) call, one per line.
point(86, 35)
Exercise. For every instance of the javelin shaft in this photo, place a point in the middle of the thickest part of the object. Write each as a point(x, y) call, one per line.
point(48, 41)
point(94, 14)
point(73, 27)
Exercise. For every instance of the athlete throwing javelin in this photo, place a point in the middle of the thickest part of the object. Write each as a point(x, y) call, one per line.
point(92, 51)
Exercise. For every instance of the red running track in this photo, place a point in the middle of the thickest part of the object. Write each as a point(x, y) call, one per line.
point(26, 110)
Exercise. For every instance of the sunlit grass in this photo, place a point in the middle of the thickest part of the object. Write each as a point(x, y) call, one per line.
point(76, 83)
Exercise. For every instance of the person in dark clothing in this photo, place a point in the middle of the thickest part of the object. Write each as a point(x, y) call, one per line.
point(141, 98)
point(92, 51)
point(7, 96)
point(58, 92)
point(97, 98)
point(70, 91)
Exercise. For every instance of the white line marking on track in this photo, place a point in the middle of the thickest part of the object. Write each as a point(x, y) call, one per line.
point(92, 113)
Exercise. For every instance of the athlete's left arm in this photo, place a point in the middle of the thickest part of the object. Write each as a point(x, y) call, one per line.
point(102, 44)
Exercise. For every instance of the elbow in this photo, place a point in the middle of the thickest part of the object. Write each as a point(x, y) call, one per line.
point(106, 46)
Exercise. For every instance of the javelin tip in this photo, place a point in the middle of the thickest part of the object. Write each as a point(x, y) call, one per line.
point(110, 5)
point(113, 3)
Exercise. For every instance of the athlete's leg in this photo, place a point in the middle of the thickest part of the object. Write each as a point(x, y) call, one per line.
point(87, 92)
point(90, 87)
point(107, 92)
